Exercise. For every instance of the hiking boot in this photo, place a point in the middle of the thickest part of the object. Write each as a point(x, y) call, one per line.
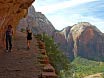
point(10, 51)
point(6, 50)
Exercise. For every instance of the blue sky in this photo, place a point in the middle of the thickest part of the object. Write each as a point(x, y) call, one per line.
point(63, 13)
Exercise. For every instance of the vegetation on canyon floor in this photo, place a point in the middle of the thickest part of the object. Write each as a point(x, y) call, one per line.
point(78, 68)
point(84, 67)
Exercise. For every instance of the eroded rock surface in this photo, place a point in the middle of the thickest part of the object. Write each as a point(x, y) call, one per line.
point(88, 41)
point(11, 11)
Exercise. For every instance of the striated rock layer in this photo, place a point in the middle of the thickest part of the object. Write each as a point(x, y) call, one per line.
point(82, 39)
point(88, 41)
point(11, 11)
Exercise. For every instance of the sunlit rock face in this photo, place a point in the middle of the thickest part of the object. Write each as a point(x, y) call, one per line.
point(37, 22)
point(88, 41)
point(11, 11)
point(82, 39)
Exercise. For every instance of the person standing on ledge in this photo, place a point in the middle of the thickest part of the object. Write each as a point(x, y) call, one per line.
point(9, 34)
point(29, 37)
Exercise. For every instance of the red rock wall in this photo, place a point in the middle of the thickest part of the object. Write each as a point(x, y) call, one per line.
point(11, 11)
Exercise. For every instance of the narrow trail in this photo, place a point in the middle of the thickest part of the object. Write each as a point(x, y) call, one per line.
point(20, 63)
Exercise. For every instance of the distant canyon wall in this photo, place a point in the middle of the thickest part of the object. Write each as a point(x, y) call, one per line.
point(37, 22)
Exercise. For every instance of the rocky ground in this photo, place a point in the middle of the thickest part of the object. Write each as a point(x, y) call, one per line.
point(20, 63)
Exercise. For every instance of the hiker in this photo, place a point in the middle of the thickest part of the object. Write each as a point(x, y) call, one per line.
point(9, 34)
point(29, 37)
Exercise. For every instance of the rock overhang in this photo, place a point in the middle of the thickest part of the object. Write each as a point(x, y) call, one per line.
point(11, 11)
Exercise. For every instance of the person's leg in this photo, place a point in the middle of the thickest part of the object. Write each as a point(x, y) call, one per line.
point(28, 44)
point(10, 43)
point(6, 43)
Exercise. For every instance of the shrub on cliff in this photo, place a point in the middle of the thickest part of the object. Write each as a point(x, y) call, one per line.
point(60, 62)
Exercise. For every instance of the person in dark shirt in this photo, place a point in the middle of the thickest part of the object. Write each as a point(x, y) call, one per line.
point(29, 38)
point(9, 34)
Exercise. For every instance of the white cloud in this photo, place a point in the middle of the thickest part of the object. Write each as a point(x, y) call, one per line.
point(59, 22)
point(62, 5)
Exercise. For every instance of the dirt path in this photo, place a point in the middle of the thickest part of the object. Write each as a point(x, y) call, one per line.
point(98, 75)
point(20, 63)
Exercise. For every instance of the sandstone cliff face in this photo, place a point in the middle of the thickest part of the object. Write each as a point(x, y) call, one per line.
point(37, 22)
point(88, 41)
point(62, 38)
point(11, 11)
point(82, 39)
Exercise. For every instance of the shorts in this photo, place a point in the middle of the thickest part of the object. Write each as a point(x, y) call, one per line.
point(29, 38)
